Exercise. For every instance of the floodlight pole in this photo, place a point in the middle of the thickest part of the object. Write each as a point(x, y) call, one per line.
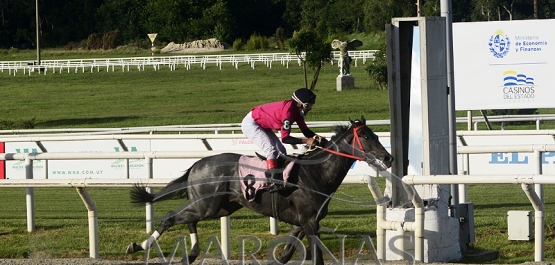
point(37, 26)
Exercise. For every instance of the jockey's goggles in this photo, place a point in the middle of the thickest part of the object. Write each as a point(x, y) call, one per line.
point(307, 105)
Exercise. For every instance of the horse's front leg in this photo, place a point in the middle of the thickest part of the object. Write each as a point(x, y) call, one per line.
point(312, 230)
point(289, 249)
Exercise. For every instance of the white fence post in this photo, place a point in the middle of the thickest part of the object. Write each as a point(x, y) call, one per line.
point(149, 206)
point(30, 195)
point(93, 221)
point(225, 231)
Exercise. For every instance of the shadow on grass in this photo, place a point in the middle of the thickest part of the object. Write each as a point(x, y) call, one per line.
point(84, 121)
point(501, 205)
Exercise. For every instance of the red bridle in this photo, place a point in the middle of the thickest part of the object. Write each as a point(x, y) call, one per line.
point(356, 140)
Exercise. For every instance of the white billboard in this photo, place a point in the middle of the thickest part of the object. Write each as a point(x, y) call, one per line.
point(504, 64)
point(115, 168)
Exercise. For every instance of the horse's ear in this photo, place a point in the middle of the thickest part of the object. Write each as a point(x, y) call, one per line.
point(363, 120)
point(353, 123)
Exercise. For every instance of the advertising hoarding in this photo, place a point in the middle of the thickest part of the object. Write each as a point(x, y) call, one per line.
point(504, 64)
point(115, 168)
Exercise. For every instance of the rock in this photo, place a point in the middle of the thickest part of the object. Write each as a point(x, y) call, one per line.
point(209, 45)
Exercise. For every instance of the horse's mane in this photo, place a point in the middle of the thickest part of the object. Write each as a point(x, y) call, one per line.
point(339, 131)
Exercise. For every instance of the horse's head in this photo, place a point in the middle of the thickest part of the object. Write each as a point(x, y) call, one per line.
point(361, 143)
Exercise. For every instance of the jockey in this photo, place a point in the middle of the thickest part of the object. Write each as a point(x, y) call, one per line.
point(259, 125)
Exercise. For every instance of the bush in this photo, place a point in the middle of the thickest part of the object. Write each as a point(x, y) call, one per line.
point(111, 39)
point(237, 44)
point(141, 43)
point(377, 69)
point(70, 46)
point(257, 42)
point(13, 51)
point(94, 41)
point(280, 38)
point(262, 43)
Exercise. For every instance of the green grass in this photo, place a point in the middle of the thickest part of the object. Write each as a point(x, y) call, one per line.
point(61, 223)
point(164, 97)
point(195, 96)
point(62, 228)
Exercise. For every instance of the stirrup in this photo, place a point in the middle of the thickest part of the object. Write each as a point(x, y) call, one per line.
point(276, 188)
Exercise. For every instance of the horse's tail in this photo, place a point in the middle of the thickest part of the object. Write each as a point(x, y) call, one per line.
point(176, 189)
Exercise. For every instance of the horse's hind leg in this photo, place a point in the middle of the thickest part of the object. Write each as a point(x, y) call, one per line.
point(169, 221)
point(195, 249)
point(191, 213)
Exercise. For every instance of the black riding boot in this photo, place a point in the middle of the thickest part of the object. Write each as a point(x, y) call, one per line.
point(274, 174)
point(277, 183)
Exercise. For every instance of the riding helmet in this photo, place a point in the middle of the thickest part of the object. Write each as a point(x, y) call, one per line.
point(304, 95)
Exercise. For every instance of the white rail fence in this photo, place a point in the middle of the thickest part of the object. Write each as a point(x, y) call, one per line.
point(171, 62)
point(534, 193)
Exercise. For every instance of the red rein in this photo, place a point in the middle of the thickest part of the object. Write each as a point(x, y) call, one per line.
point(356, 140)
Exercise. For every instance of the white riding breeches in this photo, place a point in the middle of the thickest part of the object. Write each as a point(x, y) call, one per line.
point(265, 139)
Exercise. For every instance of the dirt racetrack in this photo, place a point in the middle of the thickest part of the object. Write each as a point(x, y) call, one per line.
point(156, 261)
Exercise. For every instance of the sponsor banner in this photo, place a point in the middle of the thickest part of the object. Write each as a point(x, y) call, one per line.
point(493, 163)
point(509, 163)
point(504, 64)
point(61, 169)
point(115, 168)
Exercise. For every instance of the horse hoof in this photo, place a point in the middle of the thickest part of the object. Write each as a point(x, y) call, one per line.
point(133, 247)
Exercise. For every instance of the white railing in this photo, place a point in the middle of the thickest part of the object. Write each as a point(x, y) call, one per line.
point(155, 62)
point(534, 194)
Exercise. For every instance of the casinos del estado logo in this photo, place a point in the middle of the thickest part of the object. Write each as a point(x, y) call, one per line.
point(517, 86)
point(499, 44)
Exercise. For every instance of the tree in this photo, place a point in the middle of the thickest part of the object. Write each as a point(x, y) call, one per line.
point(377, 13)
point(188, 20)
point(377, 69)
point(316, 51)
point(64, 21)
point(291, 15)
point(346, 17)
point(123, 15)
point(17, 24)
point(262, 17)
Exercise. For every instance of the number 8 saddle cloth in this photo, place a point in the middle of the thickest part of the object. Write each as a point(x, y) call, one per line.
point(252, 174)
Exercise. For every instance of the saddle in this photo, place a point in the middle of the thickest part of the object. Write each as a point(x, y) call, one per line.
point(252, 173)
